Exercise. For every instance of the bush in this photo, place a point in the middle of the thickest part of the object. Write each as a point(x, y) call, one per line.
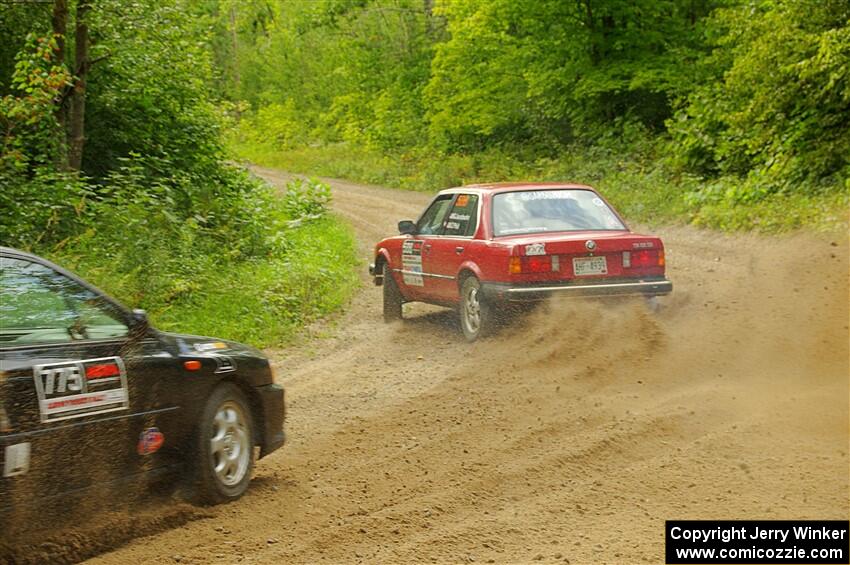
point(306, 199)
point(155, 216)
point(773, 108)
point(630, 173)
point(248, 275)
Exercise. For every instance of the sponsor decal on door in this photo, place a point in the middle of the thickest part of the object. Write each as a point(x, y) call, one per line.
point(411, 261)
point(150, 440)
point(16, 460)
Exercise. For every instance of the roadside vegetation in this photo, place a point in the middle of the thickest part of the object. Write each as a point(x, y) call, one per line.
point(113, 165)
point(118, 120)
point(729, 114)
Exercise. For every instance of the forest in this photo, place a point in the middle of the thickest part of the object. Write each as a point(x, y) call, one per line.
point(122, 122)
point(113, 164)
point(733, 114)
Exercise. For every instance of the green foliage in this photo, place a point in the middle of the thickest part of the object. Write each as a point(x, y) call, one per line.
point(306, 198)
point(775, 104)
point(258, 282)
point(555, 71)
point(149, 95)
point(327, 69)
point(477, 86)
point(26, 114)
point(34, 196)
point(391, 75)
point(638, 182)
point(16, 24)
point(278, 124)
point(41, 208)
point(267, 302)
point(157, 217)
point(729, 104)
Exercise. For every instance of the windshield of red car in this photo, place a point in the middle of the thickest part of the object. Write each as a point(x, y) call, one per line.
point(535, 211)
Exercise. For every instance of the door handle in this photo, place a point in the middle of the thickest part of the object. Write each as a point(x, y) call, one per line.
point(459, 249)
point(426, 247)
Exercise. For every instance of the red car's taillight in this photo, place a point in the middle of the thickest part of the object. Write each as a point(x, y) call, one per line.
point(515, 266)
point(643, 258)
point(532, 264)
point(537, 264)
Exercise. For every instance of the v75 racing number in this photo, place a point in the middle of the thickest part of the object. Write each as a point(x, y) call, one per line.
point(57, 380)
point(79, 388)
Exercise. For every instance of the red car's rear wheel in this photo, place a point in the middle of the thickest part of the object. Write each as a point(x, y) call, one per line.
point(476, 316)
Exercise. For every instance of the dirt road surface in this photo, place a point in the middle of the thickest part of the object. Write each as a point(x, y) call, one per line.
point(569, 437)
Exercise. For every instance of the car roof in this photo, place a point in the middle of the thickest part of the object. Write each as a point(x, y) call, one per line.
point(495, 187)
point(13, 251)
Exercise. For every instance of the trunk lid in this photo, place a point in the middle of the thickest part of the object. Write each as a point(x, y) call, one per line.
point(587, 255)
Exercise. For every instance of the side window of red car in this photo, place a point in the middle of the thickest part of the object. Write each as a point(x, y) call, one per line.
point(463, 218)
point(431, 222)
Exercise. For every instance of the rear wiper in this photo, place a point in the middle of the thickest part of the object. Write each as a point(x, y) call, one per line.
point(79, 329)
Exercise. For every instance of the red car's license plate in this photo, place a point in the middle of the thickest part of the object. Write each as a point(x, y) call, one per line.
point(590, 266)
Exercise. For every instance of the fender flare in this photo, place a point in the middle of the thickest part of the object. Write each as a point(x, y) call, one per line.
point(468, 267)
point(382, 256)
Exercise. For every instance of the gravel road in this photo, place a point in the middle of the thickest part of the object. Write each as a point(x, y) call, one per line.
point(569, 437)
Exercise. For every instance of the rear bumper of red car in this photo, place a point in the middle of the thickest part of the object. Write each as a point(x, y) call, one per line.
point(539, 291)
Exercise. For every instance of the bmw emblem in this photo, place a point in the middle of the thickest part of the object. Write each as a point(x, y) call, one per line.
point(590, 244)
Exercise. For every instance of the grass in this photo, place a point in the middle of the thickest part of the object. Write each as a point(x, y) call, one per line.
point(266, 302)
point(202, 287)
point(638, 183)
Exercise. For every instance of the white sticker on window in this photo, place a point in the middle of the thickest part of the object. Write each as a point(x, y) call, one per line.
point(543, 195)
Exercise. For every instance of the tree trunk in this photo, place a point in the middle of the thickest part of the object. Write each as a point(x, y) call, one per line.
point(234, 42)
point(590, 22)
point(60, 29)
point(78, 96)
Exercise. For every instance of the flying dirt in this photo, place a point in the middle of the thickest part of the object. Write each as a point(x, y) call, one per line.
point(570, 436)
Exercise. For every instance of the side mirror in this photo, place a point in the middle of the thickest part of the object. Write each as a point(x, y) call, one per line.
point(139, 322)
point(406, 227)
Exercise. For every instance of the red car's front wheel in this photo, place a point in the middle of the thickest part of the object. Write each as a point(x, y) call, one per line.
point(392, 296)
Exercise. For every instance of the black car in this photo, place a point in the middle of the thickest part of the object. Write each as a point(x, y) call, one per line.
point(95, 402)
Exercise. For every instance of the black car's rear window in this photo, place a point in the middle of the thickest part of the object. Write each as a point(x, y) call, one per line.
point(551, 210)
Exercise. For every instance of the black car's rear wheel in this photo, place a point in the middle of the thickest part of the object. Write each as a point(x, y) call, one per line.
point(392, 296)
point(224, 458)
point(476, 314)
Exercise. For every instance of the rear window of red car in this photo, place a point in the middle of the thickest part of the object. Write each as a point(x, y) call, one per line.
point(552, 210)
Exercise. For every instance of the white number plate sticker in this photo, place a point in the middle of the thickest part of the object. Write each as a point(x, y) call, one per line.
point(590, 266)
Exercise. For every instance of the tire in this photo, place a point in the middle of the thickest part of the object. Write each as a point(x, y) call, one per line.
point(476, 315)
point(224, 454)
point(392, 297)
